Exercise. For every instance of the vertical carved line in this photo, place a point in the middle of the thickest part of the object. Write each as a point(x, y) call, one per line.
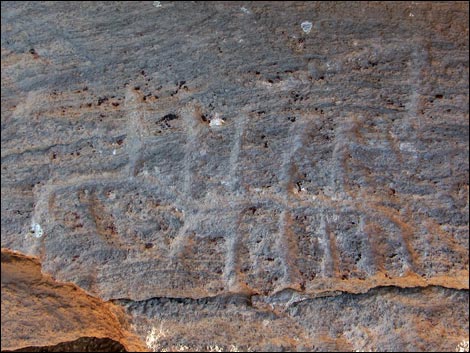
point(373, 264)
point(329, 265)
point(190, 122)
point(235, 151)
point(134, 130)
point(233, 241)
point(190, 147)
point(285, 238)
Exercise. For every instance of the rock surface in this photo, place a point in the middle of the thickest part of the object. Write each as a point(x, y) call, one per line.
point(227, 171)
point(384, 319)
point(38, 311)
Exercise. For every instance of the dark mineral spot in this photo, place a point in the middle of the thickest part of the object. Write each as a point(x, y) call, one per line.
point(101, 100)
point(168, 117)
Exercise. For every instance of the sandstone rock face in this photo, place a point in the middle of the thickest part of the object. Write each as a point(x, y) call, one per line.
point(37, 311)
point(262, 176)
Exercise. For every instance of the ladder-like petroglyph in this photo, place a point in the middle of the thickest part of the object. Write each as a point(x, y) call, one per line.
point(239, 183)
point(176, 194)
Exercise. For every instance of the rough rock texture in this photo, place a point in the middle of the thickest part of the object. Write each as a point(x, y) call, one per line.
point(38, 311)
point(227, 171)
point(384, 319)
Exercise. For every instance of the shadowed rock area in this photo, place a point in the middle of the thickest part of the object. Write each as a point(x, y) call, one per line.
point(84, 344)
point(241, 175)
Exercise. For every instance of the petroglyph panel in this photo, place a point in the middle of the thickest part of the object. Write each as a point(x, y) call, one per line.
point(273, 152)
